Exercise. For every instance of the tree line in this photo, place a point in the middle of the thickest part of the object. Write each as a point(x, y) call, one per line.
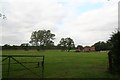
point(41, 40)
point(44, 39)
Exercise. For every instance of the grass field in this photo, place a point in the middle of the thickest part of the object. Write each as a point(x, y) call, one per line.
point(69, 64)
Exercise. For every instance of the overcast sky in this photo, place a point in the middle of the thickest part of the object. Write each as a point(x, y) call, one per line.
point(85, 21)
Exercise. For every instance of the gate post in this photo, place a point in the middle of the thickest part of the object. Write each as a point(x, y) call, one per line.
point(8, 66)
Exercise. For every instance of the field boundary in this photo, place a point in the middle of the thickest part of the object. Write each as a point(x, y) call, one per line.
point(12, 57)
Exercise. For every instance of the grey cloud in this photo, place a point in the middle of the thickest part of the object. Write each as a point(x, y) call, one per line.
point(25, 16)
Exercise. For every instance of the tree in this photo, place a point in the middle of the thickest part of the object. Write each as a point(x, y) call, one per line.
point(66, 43)
point(50, 45)
point(70, 44)
point(62, 44)
point(101, 45)
point(109, 45)
point(6, 46)
point(25, 46)
point(79, 48)
point(42, 38)
point(114, 53)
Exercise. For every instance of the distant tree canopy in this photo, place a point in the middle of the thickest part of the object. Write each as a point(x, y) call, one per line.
point(79, 47)
point(66, 44)
point(101, 45)
point(42, 38)
point(6, 45)
point(25, 46)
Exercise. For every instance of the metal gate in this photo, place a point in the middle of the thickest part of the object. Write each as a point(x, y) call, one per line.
point(19, 63)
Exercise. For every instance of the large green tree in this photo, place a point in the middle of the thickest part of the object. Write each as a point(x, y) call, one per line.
point(66, 44)
point(42, 38)
point(114, 54)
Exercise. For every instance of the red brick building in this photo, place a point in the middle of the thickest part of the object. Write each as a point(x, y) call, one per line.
point(86, 49)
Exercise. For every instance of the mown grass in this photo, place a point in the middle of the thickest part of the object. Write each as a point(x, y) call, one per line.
point(69, 64)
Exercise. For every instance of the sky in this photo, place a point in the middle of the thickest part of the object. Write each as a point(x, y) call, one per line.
point(85, 21)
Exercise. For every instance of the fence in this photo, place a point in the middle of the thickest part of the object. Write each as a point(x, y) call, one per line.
point(23, 66)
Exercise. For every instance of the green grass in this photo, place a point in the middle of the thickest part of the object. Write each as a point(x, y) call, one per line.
point(68, 64)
